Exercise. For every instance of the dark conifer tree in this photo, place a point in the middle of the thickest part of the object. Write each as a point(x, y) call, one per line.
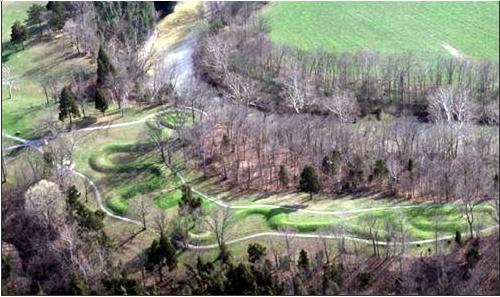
point(309, 181)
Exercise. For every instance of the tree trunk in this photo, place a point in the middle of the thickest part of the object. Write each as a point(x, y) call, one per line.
point(83, 109)
point(160, 273)
point(46, 94)
point(4, 173)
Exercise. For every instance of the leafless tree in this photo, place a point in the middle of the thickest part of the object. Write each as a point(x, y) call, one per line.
point(60, 154)
point(160, 220)
point(219, 223)
point(140, 208)
point(159, 135)
point(371, 222)
point(164, 81)
point(297, 94)
point(51, 87)
point(343, 105)
point(449, 106)
point(79, 81)
point(8, 79)
point(467, 208)
point(46, 200)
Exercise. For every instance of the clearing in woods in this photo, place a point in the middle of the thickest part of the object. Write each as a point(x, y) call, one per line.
point(388, 27)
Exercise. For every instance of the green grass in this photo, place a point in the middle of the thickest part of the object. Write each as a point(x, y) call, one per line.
point(387, 27)
point(419, 222)
point(126, 164)
point(24, 113)
point(134, 170)
point(171, 119)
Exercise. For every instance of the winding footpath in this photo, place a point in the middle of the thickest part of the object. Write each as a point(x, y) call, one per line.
point(37, 144)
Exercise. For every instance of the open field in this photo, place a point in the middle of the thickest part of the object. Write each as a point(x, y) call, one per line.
point(39, 60)
point(422, 28)
point(52, 57)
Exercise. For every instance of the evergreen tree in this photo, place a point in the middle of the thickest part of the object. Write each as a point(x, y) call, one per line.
point(326, 165)
point(458, 238)
point(67, 105)
point(188, 203)
point(256, 252)
point(54, 6)
point(73, 196)
point(309, 181)
point(472, 256)
point(35, 16)
point(104, 68)
point(161, 253)
point(379, 168)
point(58, 15)
point(409, 166)
point(78, 286)
point(241, 281)
point(18, 34)
point(101, 103)
point(121, 286)
point(283, 176)
point(267, 283)
point(303, 262)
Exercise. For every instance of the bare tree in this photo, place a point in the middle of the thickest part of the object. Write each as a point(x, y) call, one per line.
point(343, 105)
point(467, 207)
point(140, 207)
point(59, 152)
point(79, 81)
point(449, 106)
point(160, 136)
point(296, 93)
point(160, 220)
point(46, 200)
point(8, 79)
point(51, 87)
point(219, 223)
point(371, 222)
point(164, 81)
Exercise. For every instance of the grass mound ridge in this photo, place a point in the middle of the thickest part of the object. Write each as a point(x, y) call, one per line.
point(101, 161)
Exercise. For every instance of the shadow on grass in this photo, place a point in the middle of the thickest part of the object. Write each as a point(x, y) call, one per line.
point(129, 239)
point(7, 51)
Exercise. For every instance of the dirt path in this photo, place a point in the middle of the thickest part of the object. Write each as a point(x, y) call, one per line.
point(176, 39)
point(453, 51)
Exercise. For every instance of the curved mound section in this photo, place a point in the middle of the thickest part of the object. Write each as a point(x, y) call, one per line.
point(133, 170)
point(175, 119)
point(117, 158)
point(419, 223)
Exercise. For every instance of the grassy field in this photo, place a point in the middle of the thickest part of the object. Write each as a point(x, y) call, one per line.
point(25, 113)
point(421, 28)
point(40, 59)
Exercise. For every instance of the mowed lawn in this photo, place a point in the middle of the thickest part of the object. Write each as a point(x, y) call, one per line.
point(421, 28)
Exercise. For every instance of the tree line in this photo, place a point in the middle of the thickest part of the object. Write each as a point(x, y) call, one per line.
point(236, 55)
point(442, 161)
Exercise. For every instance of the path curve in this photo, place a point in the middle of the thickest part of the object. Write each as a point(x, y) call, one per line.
point(99, 201)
